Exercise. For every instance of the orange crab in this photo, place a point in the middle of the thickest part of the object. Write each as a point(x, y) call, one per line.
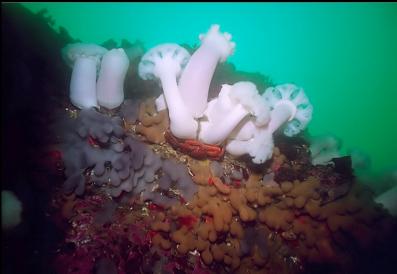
point(195, 148)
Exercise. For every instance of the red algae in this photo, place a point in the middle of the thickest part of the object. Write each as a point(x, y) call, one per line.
point(92, 141)
point(151, 234)
point(236, 183)
point(189, 221)
point(155, 207)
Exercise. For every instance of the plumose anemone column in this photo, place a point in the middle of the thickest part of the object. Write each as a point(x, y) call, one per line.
point(324, 148)
point(165, 63)
point(196, 78)
point(259, 146)
point(289, 106)
point(226, 111)
point(84, 59)
point(389, 200)
point(110, 84)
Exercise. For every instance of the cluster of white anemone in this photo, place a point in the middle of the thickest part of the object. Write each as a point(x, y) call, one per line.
point(97, 75)
point(240, 117)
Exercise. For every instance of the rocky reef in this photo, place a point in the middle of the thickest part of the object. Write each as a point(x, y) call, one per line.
point(286, 216)
point(117, 193)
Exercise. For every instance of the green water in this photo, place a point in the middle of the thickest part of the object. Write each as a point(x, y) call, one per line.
point(343, 54)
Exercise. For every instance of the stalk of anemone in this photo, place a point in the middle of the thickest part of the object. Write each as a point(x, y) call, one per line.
point(225, 112)
point(110, 84)
point(289, 108)
point(84, 59)
point(165, 63)
point(196, 78)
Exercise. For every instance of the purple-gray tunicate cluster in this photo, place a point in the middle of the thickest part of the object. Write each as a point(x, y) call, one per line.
point(129, 110)
point(99, 126)
point(254, 236)
point(96, 149)
point(161, 181)
point(218, 170)
point(141, 164)
point(93, 140)
point(175, 179)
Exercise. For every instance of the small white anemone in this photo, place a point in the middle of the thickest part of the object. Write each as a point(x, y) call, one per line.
point(324, 148)
point(11, 210)
point(389, 200)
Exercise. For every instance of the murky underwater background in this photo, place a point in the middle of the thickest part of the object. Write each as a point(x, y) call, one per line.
point(343, 55)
